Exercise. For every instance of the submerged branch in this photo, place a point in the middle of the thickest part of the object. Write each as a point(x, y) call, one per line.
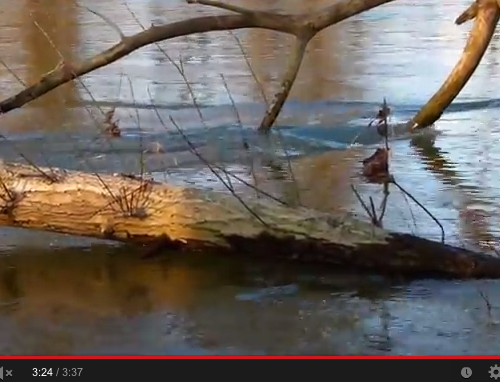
point(295, 60)
point(486, 18)
point(297, 25)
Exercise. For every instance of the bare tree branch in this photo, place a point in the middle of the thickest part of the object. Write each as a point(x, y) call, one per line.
point(297, 25)
point(108, 21)
point(488, 13)
point(67, 203)
point(294, 63)
point(303, 27)
point(469, 14)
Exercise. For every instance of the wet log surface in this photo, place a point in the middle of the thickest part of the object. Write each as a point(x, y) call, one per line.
point(127, 209)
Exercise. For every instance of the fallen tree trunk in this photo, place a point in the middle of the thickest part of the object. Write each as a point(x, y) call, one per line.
point(123, 208)
point(127, 209)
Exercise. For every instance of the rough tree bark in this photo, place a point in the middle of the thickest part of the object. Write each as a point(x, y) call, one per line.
point(141, 211)
point(128, 209)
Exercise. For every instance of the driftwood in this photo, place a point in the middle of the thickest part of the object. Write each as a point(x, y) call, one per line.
point(124, 208)
point(133, 210)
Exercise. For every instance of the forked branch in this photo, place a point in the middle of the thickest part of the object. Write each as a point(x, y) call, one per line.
point(308, 24)
point(303, 27)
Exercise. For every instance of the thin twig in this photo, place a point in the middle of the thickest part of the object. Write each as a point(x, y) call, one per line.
point(423, 207)
point(207, 163)
point(264, 97)
point(363, 204)
point(107, 20)
point(61, 56)
point(227, 7)
point(52, 178)
point(486, 301)
point(180, 69)
point(12, 73)
point(383, 205)
point(141, 138)
point(375, 221)
point(252, 72)
point(63, 62)
point(217, 174)
point(413, 218)
point(240, 124)
point(245, 183)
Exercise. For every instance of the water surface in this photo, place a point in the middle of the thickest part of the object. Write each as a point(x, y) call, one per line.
point(65, 295)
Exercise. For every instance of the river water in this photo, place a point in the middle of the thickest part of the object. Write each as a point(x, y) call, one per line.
point(65, 295)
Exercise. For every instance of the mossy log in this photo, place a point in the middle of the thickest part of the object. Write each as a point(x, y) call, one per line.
point(124, 208)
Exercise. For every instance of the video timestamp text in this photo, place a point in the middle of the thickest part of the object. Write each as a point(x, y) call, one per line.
point(56, 371)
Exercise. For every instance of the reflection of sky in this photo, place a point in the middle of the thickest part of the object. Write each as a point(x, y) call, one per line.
point(413, 56)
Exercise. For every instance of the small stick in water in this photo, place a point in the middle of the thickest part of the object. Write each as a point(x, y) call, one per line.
point(111, 127)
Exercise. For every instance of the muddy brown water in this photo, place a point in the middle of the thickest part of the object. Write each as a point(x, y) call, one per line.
point(65, 295)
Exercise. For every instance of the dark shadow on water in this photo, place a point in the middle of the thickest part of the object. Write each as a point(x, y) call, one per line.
point(107, 300)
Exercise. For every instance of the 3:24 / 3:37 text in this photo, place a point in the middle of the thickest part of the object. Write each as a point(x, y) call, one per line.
point(57, 371)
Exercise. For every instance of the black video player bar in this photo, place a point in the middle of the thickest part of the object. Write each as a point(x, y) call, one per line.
point(164, 369)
